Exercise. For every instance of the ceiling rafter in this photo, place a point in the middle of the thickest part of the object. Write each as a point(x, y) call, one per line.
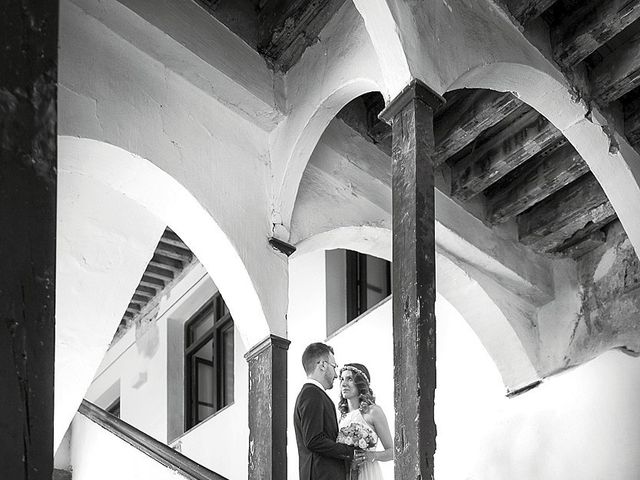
point(618, 73)
point(527, 10)
point(499, 154)
point(593, 24)
point(559, 217)
point(170, 258)
point(533, 182)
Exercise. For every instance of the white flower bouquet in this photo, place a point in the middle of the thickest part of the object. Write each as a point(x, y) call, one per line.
point(358, 435)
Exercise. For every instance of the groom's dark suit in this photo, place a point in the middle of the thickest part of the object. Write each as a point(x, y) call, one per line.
point(316, 425)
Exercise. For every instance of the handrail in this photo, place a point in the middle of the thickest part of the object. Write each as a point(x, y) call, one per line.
point(148, 445)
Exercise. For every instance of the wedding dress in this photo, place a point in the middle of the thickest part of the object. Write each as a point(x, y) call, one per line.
point(368, 470)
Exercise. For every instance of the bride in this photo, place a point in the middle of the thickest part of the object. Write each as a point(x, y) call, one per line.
point(357, 406)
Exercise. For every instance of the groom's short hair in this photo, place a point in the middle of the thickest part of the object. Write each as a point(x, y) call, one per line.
point(313, 354)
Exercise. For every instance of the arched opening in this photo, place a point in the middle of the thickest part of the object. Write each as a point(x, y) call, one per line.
point(615, 169)
point(104, 246)
point(489, 341)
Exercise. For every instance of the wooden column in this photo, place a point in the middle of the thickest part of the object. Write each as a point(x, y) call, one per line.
point(414, 285)
point(28, 128)
point(268, 409)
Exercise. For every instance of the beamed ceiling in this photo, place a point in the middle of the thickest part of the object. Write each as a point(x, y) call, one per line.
point(495, 150)
point(170, 258)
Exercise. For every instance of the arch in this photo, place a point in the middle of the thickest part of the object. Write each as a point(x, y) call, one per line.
point(162, 201)
point(614, 163)
point(460, 287)
point(308, 138)
point(164, 197)
point(341, 67)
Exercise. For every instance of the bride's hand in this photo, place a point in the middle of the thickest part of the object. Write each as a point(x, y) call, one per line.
point(369, 457)
point(358, 459)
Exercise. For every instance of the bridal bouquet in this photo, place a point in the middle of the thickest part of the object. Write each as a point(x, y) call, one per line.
point(357, 435)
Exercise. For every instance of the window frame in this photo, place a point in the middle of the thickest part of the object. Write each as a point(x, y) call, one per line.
point(356, 283)
point(222, 322)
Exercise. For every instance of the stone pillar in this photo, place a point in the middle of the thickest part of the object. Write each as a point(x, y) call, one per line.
point(268, 409)
point(414, 282)
point(28, 158)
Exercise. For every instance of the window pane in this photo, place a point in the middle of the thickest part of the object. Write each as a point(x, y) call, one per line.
point(204, 411)
point(201, 325)
point(377, 281)
point(205, 376)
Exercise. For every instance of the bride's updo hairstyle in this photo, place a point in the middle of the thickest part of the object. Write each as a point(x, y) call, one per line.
point(361, 379)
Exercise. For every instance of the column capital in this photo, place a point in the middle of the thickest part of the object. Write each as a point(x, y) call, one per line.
point(415, 89)
point(270, 341)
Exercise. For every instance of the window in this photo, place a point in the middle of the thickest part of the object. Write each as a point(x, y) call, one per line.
point(208, 361)
point(368, 282)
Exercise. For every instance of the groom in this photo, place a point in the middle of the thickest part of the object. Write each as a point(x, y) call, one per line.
point(315, 422)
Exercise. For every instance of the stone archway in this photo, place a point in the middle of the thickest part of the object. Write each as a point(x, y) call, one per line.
point(464, 288)
point(158, 200)
point(341, 67)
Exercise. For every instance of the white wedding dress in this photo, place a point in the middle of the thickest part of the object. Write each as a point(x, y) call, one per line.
point(368, 470)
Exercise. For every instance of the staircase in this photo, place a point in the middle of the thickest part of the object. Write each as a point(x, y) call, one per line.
point(158, 451)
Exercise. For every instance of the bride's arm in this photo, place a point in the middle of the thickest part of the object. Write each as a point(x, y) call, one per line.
point(379, 422)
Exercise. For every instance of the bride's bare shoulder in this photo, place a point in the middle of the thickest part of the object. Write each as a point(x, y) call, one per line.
point(375, 412)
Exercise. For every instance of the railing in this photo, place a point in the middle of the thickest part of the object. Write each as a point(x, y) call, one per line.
point(148, 445)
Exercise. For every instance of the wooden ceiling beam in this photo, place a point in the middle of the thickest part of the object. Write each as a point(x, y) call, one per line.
point(142, 289)
point(590, 27)
point(170, 237)
point(140, 303)
point(553, 221)
point(618, 74)
point(152, 282)
point(178, 254)
point(583, 239)
point(172, 251)
point(632, 121)
point(138, 297)
point(145, 293)
point(163, 261)
point(463, 119)
point(533, 182)
point(527, 10)
point(287, 27)
point(159, 272)
point(590, 242)
point(133, 307)
point(466, 114)
point(502, 153)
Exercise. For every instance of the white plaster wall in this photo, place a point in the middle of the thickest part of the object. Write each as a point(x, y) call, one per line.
point(140, 374)
point(99, 455)
point(104, 242)
point(580, 424)
point(113, 92)
point(149, 380)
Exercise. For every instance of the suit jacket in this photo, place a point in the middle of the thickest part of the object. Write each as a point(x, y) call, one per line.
point(316, 426)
